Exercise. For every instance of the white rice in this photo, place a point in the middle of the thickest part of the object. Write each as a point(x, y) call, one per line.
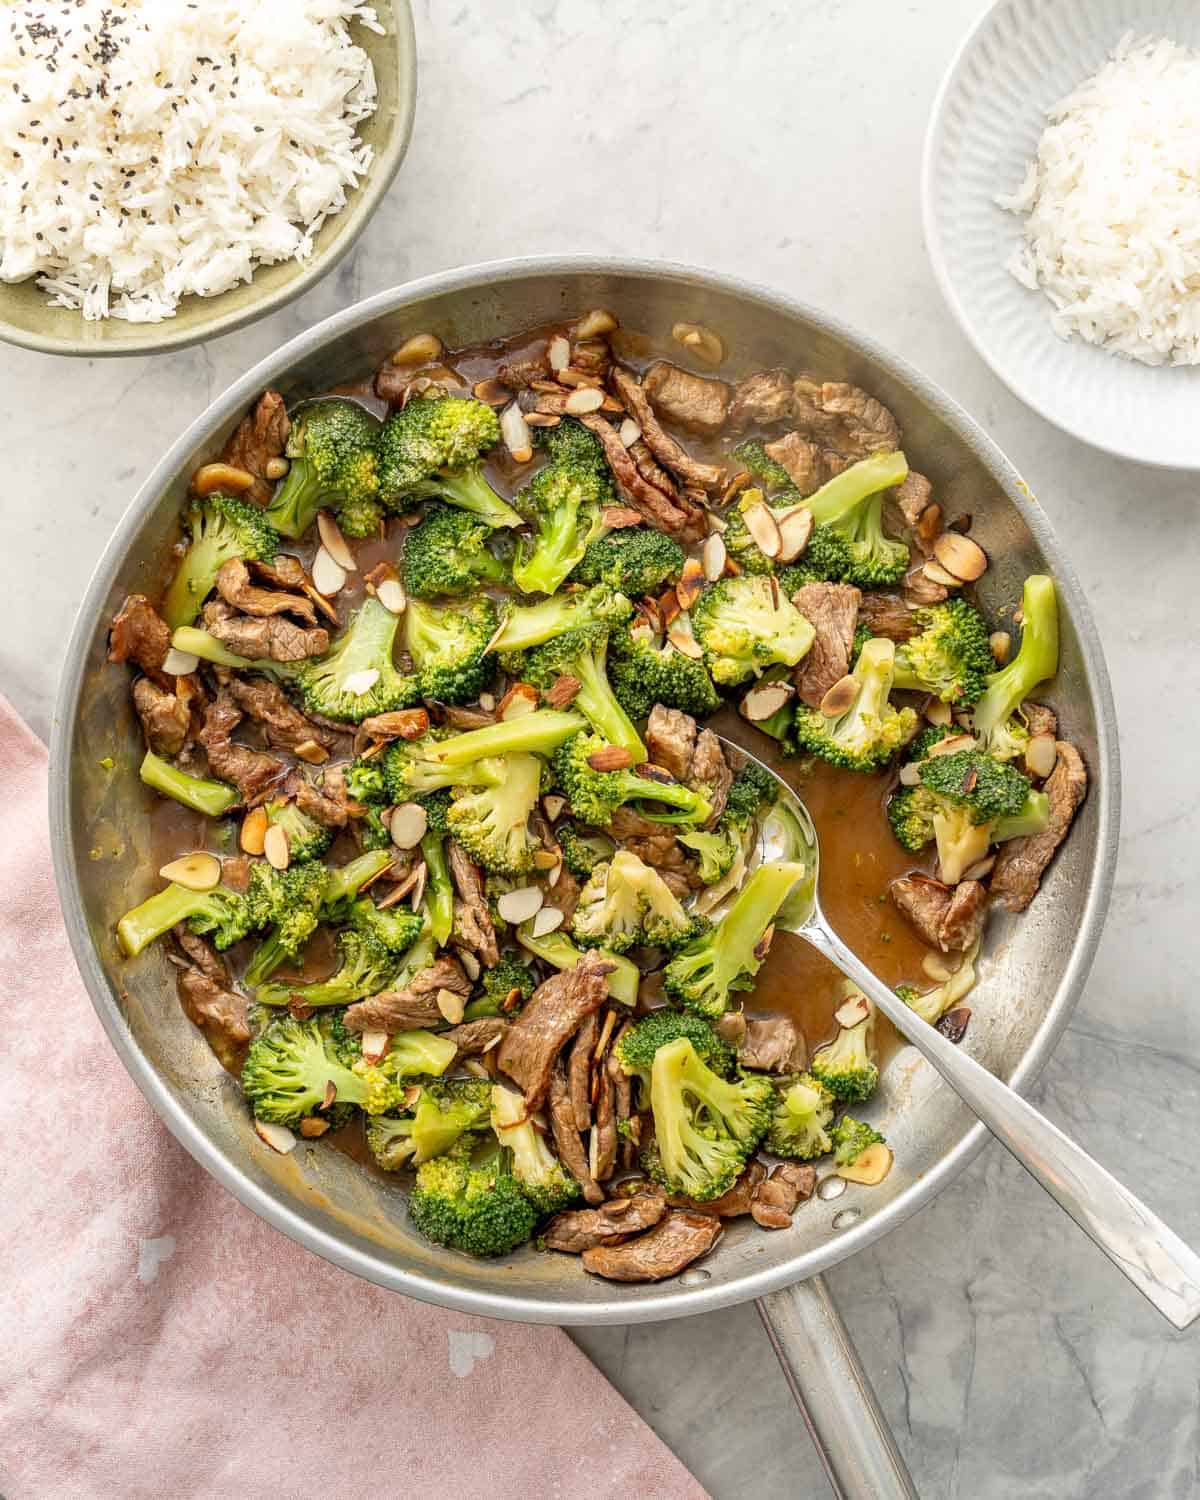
point(155, 148)
point(1112, 233)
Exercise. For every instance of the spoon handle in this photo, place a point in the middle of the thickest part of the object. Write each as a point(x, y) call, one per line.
point(1153, 1257)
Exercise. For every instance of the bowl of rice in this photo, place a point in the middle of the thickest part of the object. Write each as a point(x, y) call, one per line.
point(174, 169)
point(1061, 199)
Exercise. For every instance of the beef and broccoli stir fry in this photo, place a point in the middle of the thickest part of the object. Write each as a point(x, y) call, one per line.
point(455, 862)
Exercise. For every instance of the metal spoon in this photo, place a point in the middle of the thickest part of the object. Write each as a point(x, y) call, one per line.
point(1153, 1257)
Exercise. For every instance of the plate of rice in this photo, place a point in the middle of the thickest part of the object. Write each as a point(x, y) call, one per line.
point(174, 169)
point(1061, 200)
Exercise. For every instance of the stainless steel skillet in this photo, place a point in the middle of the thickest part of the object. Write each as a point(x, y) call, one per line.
point(1034, 972)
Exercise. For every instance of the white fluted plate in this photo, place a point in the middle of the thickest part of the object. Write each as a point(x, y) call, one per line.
point(1022, 57)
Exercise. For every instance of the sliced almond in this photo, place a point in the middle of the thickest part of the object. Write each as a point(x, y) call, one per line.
point(475, 1068)
point(952, 744)
point(410, 723)
point(713, 523)
point(1001, 643)
point(541, 419)
point(312, 753)
point(937, 574)
point(516, 434)
point(471, 966)
point(276, 468)
point(276, 847)
point(629, 432)
point(494, 641)
point(311, 1127)
point(910, 775)
point(584, 400)
point(712, 556)
point(492, 392)
point(451, 1006)
point(554, 806)
point(421, 349)
point(563, 691)
point(200, 871)
point(558, 352)
point(766, 699)
point(544, 859)
point(415, 877)
point(595, 324)
point(929, 526)
point(685, 643)
point(936, 968)
point(938, 712)
point(764, 528)
point(278, 1137)
point(334, 542)
point(487, 701)
point(691, 582)
point(212, 477)
point(668, 607)
point(178, 663)
point(521, 699)
point(960, 556)
point(1041, 753)
point(763, 946)
point(328, 575)
point(254, 831)
point(795, 528)
point(420, 877)
point(700, 341)
point(841, 697)
point(519, 905)
point(358, 683)
point(610, 758)
point(871, 1167)
point(852, 1011)
point(375, 1045)
point(409, 823)
point(981, 869)
point(548, 920)
point(648, 771)
point(606, 1031)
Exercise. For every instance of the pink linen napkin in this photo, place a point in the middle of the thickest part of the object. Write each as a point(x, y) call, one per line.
point(156, 1338)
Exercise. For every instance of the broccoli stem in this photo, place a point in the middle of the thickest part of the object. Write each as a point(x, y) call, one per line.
point(598, 703)
point(212, 798)
point(439, 892)
point(156, 915)
point(267, 957)
point(557, 950)
point(535, 624)
point(757, 904)
point(296, 503)
point(847, 490)
point(345, 882)
point(199, 643)
point(469, 490)
point(538, 732)
point(1035, 661)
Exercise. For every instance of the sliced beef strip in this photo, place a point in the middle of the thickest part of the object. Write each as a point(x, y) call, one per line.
point(664, 447)
point(773, 1044)
point(272, 639)
point(887, 615)
point(921, 590)
point(606, 1128)
point(946, 917)
point(1039, 719)
point(258, 439)
point(413, 1007)
point(330, 806)
point(656, 848)
point(582, 1229)
point(286, 726)
point(475, 1037)
point(674, 1243)
point(732, 1204)
point(732, 1027)
point(551, 1017)
point(255, 774)
point(651, 470)
point(622, 1087)
point(208, 999)
point(565, 894)
point(868, 425)
point(472, 920)
point(285, 572)
point(671, 740)
point(801, 459)
point(811, 417)
point(579, 1073)
point(697, 403)
point(775, 1199)
point(832, 610)
point(710, 769)
point(761, 400)
point(140, 635)
point(566, 1138)
point(234, 586)
point(166, 718)
point(520, 373)
point(666, 512)
point(912, 496)
point(1021, 863)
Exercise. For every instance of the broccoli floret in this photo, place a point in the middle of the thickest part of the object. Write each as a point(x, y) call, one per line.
point(418, 1054)
point(704, 975)
point(444, 1113)
point(932, 1005)
point(951, 656)
point(850, 1139)
point(966, 801)
point(753, 457)
point(393, 927)
point(357, 678)
point(448, 554)
point(543, 1178)
point(800, 1123)
point(297, 900)
point(582, 654)
point(717, 850)
point(636, 1050)
point(290, 1065)
point(625, 904)
point(826, 559)
point(634, 560)
point(850, 507)
point(704, 1126)
point(439, 888)
point(504, 989)
point(595, 795)
point(225, 915)
point(571, 443)
point(332, 447)
point(562, 502)
point(366, 967)
point(557, 950)
point(411, 768)
point(212, 798)
point(582, 851)
point(746, 624)
point(527, 625)
point(492, 822)
point(447, 647)
point(754, 790)
point(871, 730)
point(479, 1208)
point(845, 1065)
point(433, 450)
point(307, 839)
point(645, 671)
point(995, 726)
point(343, 883)
point(221, 527)
point(390, 1141)
point(365, 782)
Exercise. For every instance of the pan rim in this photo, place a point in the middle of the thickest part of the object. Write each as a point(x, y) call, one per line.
point(272, 1205)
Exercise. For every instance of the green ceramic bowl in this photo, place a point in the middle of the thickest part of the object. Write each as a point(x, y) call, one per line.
point(27, 318)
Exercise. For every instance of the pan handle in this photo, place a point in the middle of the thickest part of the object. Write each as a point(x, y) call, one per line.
point(840, 1410)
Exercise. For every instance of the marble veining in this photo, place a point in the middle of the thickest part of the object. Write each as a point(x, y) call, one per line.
point(782, 141)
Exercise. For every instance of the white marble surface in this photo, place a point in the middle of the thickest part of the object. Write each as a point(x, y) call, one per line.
point(782, 141)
